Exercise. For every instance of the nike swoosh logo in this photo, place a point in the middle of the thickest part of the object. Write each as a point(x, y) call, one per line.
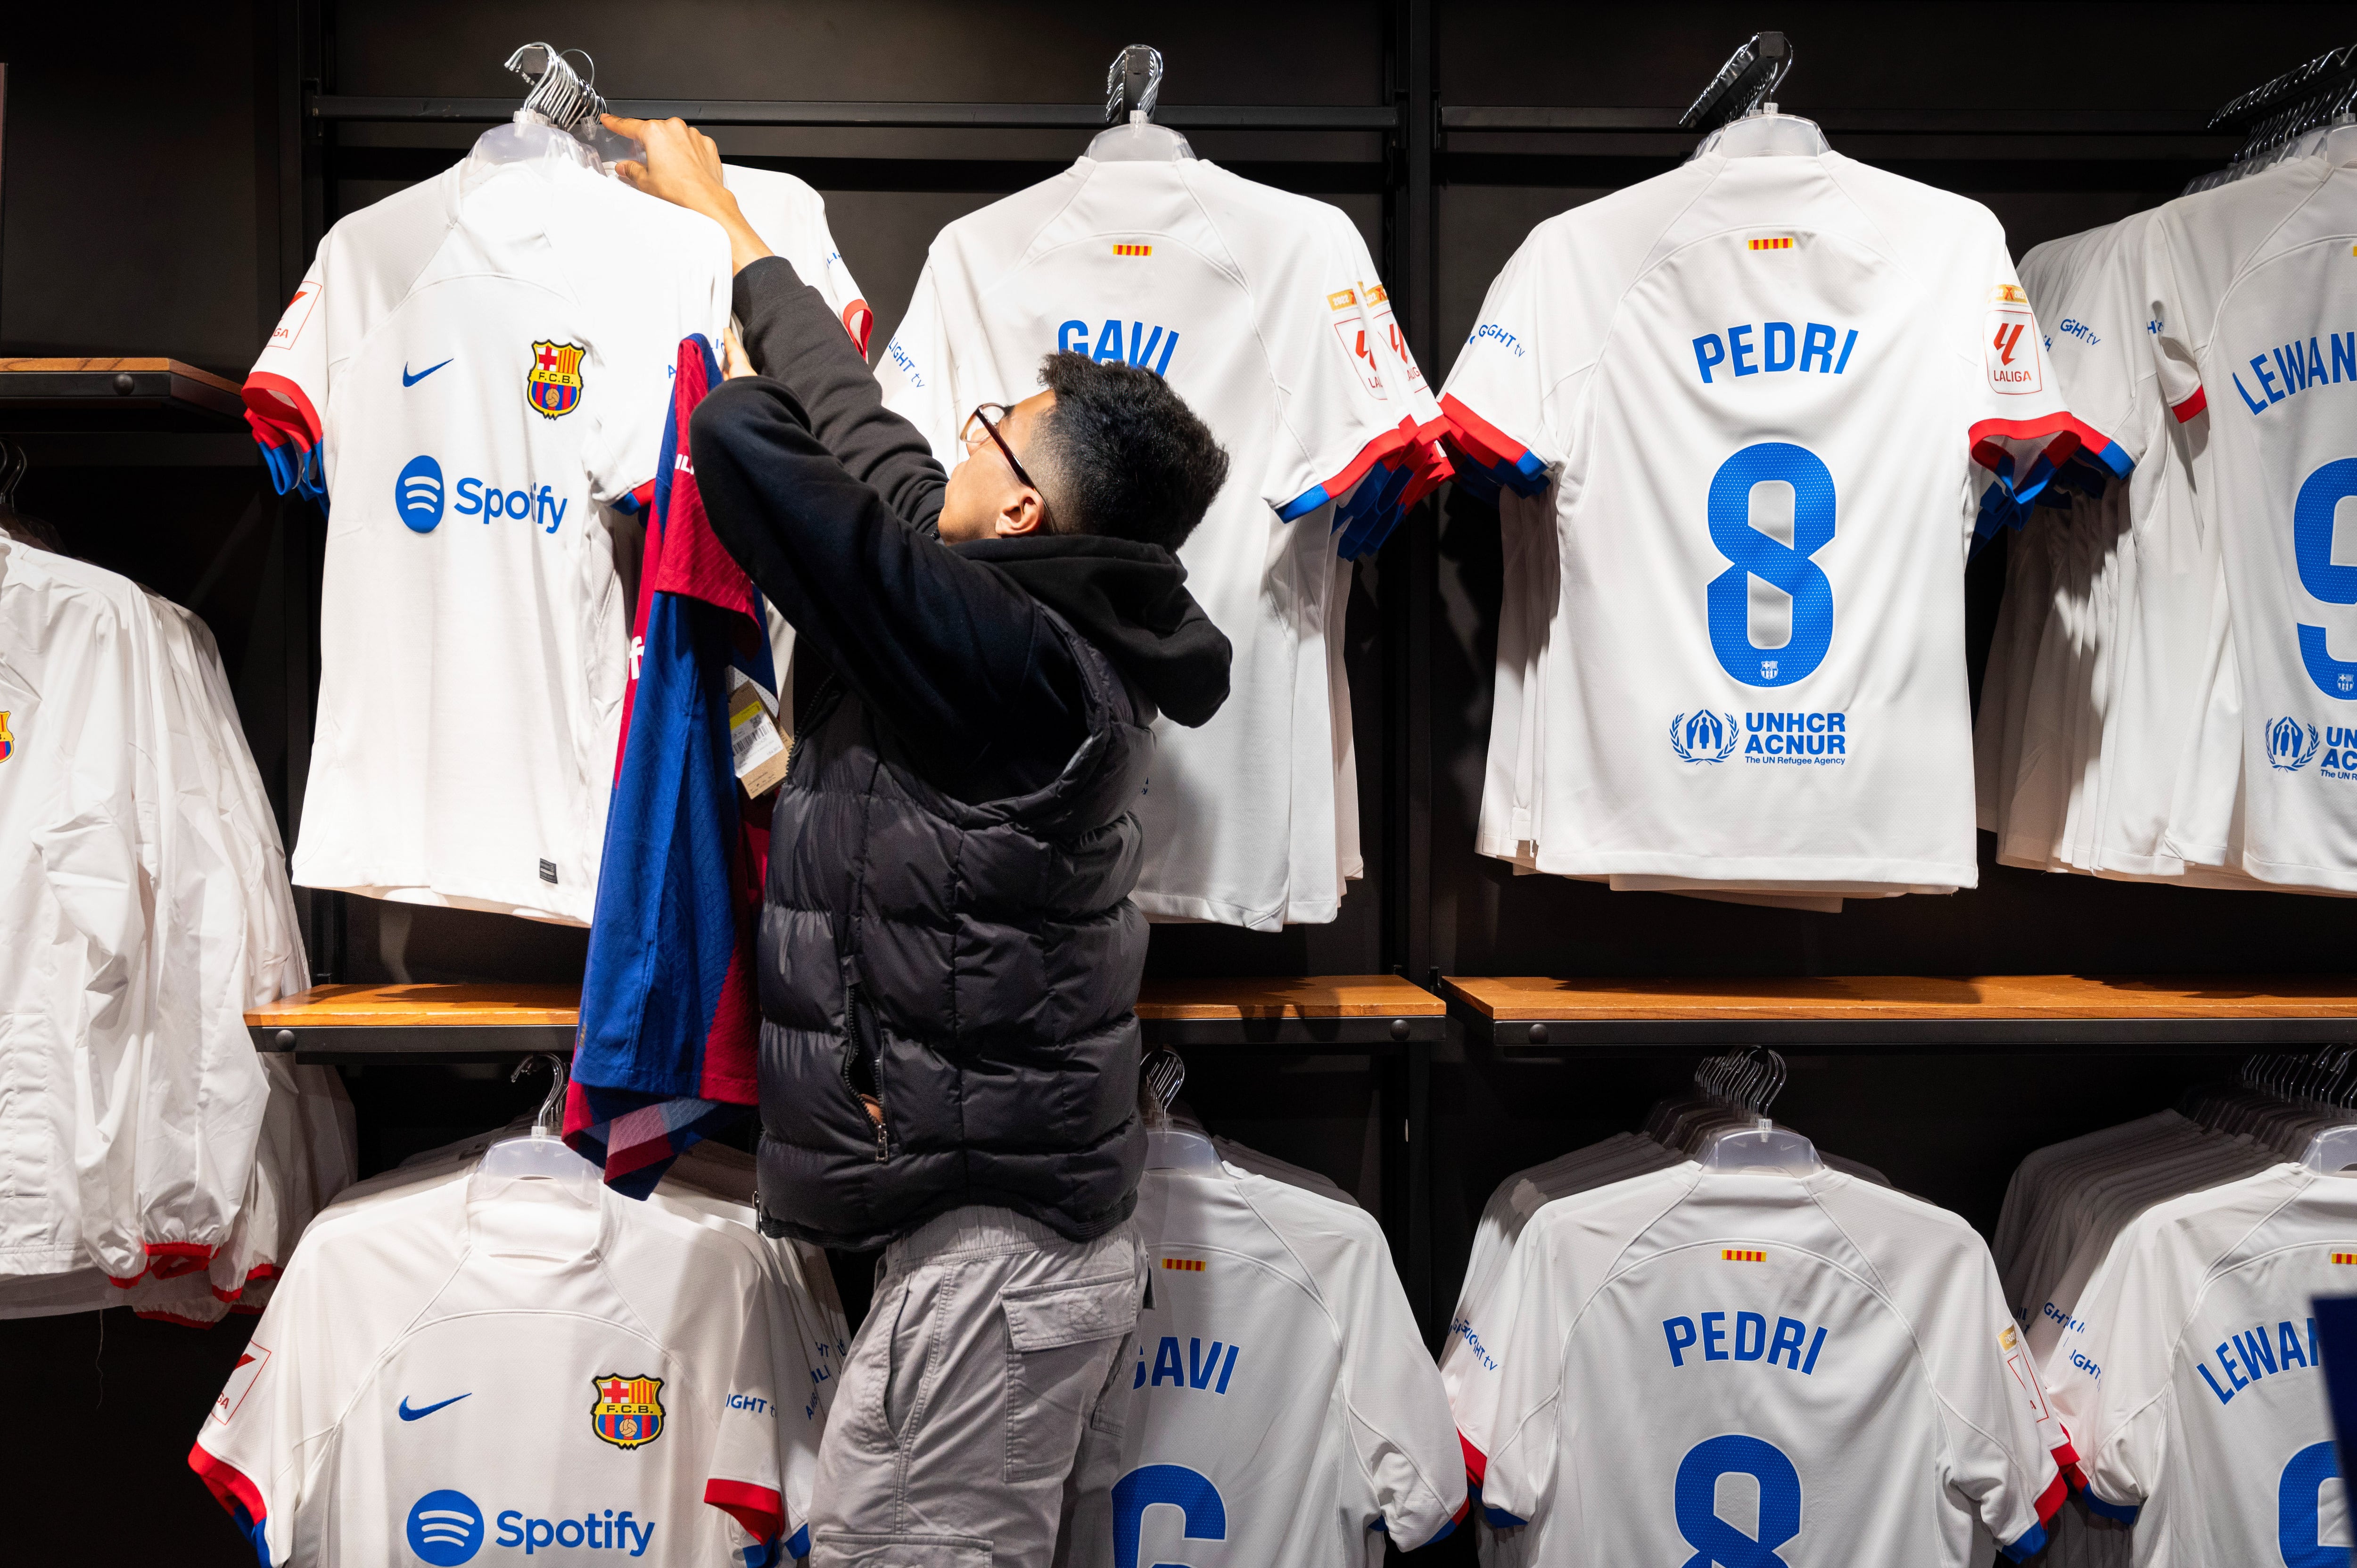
point(409, 381)
point(407, 1414)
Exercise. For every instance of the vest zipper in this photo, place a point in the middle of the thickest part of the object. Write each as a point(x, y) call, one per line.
point(854, 1011)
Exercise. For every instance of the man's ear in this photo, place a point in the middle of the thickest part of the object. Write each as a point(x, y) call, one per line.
point(1025, 512)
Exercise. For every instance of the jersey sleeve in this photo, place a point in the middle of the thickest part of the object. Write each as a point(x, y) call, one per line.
point(2122, 1360)
point(276, 1417)
point(2174, 335)
point(2018, 418)
point(790, 219)
point(2096, 338)
point(1496, 397)
point(1999, 1462)
point(746, 1481)
point(919, 371)
point(1338, 415)
point(1507, 1424)
point(1401, 1429)
point(287, 390)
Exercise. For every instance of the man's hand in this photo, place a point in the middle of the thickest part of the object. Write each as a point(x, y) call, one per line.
point(735, 363)
point(682, 167)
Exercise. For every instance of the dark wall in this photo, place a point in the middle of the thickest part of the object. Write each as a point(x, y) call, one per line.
point(140, 212)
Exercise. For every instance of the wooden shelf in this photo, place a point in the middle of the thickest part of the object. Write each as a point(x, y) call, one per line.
point(1345, 1011)
point(2122, 1014)
point(103, 395)
point(405, 1023)
point(408, 1023)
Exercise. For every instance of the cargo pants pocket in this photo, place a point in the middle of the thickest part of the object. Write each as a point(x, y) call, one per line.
point(1061, 1343)
point(836, 1549)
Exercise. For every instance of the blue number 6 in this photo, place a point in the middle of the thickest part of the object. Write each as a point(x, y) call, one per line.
point(1787, 566)
point(1714, 1541)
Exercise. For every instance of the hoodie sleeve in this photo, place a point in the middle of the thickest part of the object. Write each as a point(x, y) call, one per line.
point(792, 335)
point(963, 665)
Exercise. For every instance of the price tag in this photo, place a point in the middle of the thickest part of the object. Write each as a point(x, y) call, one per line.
point(756, 740)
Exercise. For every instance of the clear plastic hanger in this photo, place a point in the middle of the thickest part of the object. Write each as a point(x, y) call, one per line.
point(1132, 84)
point(25, 529)
point(558, 119)
point(541, 1155)
point(1768, 132)
point(1725, 1127)
point(1170, 1146)
point(1739, 106)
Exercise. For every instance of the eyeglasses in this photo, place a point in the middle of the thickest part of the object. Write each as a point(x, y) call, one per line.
point(984, 421)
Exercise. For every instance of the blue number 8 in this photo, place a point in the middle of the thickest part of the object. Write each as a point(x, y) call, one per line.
point(1714, 1541)
point(2296, 1521)
point(1787, 566)
point(2320, 495)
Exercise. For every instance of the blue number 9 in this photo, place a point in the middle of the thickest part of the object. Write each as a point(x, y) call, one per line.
point(2320, 495)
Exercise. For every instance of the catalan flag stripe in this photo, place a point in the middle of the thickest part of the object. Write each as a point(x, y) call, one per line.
point(1784, 244)
point(1133, 250)
point(2344, 1257)
point(1185, 1265)
point(1744, 1255)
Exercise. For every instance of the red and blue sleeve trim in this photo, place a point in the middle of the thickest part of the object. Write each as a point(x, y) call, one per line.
point(1477, 1464)
point(1340, 485)
point(287, 428)
point(1492, 460)
point(2192, 405)
point(2125, 1513)
point(2033, 1539)
point(798, 1544)
point(234, 1491)
point(757, 1509)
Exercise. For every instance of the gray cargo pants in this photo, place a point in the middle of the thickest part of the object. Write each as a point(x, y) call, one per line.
point(992, 1347)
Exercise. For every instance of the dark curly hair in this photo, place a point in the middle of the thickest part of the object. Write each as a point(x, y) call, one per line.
point(1125, 456)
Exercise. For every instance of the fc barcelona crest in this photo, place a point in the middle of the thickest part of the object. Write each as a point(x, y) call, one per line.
point(7, 741)
point(554, 384)
point(627, 1414)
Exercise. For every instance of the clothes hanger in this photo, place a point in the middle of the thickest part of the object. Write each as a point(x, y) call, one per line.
point(1738, 111)
point(1167, 1145)
point(542, 1154)
point(1732, 1133)
point(1132, 84)
point(25, 529)
point(558, 118)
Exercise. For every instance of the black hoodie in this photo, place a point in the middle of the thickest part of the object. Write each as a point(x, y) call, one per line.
point(830, 502)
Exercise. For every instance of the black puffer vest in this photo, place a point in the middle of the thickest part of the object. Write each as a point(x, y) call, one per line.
point(976, 964)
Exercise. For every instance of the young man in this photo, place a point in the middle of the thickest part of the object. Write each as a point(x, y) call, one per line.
point(948, 957)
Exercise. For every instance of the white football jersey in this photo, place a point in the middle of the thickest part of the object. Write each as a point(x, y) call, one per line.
point(76, 986)
point(449, 1374)
point(2193, 1381)
point(1283, 1412)
point(790, 219)
point(1739, 1366)
point(1244, 299)
point(2255, 288)
point(479, 365)
point(1765, 392)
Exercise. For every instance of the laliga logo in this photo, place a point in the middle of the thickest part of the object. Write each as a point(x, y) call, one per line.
point(1704, 737)
point(2291, 746)
point(446, 1527)
point(417, 494)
